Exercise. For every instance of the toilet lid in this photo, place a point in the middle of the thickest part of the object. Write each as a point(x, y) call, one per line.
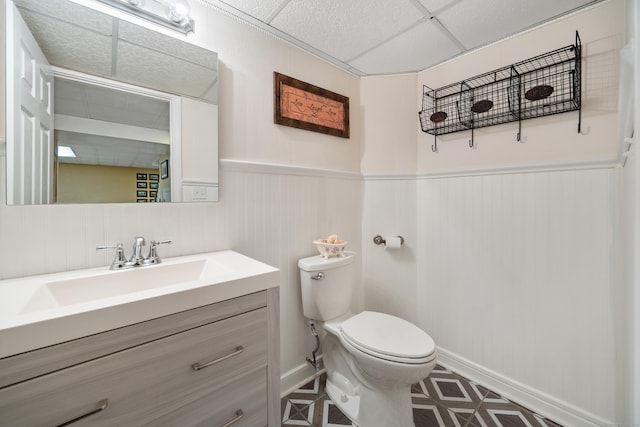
point(387, 335)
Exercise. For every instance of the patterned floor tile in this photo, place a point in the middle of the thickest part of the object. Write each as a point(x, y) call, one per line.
point(442, 399)
point(507, 414)
point(431, 414)
point(332, 416)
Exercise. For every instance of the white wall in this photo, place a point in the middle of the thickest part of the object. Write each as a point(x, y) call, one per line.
point(514, 242)
point(515, 277)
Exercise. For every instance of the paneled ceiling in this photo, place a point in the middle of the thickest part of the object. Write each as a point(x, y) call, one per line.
point(370, 37)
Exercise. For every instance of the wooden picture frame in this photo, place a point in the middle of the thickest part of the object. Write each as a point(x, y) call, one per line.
point(305, 106)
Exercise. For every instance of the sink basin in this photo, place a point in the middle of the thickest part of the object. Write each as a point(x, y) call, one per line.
point(38, 311)
point(113, 283)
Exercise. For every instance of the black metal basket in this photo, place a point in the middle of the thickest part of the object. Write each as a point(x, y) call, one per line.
point(540, 86)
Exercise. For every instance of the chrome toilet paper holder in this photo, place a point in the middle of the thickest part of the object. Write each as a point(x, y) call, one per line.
point(379, 240)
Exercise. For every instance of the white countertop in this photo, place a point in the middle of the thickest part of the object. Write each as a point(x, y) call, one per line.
point(226, 274)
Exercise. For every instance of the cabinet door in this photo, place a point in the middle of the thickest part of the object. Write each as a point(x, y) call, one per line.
point(240, 404)
point(142, 383)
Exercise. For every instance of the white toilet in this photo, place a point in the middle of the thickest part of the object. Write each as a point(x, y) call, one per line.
point(371, 358)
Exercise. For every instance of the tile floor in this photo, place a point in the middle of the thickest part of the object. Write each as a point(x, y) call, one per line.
point(444, 398)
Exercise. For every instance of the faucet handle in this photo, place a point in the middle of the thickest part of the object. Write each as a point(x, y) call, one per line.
point(119, 260)
point(153, 257)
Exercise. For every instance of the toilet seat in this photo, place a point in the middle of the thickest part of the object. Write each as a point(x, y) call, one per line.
point(388, 337)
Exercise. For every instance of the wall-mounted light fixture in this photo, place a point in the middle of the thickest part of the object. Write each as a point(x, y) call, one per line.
point(172, 14)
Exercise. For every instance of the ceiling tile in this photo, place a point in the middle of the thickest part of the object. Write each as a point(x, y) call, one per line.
point(156, 70)
point(261, 10)
point(345, 29)
point(71, 46)
point(435, 6)
point(64, 10)
point(173, 47)
point(475, 23)
point(414, 50)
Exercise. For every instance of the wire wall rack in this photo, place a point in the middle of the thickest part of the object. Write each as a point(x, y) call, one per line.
point(540, 86)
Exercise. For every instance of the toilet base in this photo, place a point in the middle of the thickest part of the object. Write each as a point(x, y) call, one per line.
point(365, 408)
point(367, 402)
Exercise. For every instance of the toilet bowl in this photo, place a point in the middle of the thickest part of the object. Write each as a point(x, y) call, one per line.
point(371, 358)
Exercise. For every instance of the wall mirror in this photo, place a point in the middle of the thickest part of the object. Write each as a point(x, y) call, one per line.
point(131, 104)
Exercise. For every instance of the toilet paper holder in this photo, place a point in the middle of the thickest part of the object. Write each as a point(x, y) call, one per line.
point(379, 240)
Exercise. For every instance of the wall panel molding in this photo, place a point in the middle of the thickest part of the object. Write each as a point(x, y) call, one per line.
point(529, 397)
point(230, 165)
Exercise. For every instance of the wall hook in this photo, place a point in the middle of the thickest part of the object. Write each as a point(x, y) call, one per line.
point(471, 142)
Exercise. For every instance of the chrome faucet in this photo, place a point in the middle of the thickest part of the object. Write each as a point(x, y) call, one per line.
point(153, 257)
point(137, 259)
point(120, 260)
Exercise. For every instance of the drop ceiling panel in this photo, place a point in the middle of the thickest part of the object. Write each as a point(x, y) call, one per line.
point(98, 103)
point(167, 45)
point(367, 36)
point(69, 11)
point(345, 29)
point(435, 6)
point(156, 70)
point(409, 51)
point(70, 45)
point(106, 151)
point(262, 10)
point(476, 23)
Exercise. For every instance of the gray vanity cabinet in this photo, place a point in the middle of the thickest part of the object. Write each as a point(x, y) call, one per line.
point(211, 366)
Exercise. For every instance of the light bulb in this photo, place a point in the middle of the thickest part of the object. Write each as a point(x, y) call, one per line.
point(179, 10)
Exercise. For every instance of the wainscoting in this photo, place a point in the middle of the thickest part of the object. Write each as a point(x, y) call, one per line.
point(515, 272)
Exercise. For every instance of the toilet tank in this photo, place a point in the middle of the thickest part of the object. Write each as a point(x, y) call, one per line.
point(326, 285)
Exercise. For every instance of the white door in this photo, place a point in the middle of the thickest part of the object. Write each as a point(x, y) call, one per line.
point(30, 154)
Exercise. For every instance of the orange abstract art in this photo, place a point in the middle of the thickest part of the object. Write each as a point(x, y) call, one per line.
point(305, 106)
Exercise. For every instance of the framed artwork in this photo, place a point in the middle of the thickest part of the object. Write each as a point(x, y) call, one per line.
point(153, 185)
point(141, 176)
point(141, 184)
point(305, 106)
point(153, 194)
point(164, 169)
point(153, 177)
point(141, 200)
point(141, 193)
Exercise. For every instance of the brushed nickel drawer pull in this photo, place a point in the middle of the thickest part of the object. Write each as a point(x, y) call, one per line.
point(102, 405)
point(239, 414)
point(198, 366)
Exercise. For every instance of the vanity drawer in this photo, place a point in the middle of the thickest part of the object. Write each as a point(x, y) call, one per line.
point(240, 404)
point(144, 382)
point(42, 361)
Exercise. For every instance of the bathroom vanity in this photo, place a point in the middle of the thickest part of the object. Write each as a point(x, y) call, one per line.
point(204, 351)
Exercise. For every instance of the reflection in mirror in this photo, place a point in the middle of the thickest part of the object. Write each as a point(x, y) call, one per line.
point(109, 144)
point(122, 133)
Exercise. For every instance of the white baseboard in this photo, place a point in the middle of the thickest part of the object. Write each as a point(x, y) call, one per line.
point(535, 400)
point(297, 377)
